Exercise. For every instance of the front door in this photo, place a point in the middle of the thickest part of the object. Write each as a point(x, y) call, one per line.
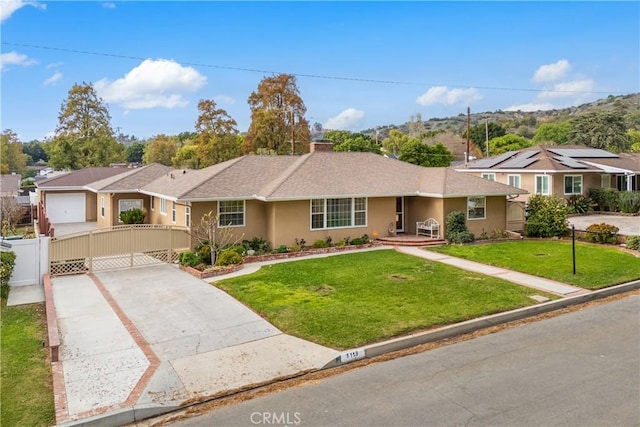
point(399, 214)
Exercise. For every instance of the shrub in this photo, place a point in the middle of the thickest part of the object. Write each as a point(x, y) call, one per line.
point(633, 242)
point(7, 263)
point(282, 249)
point(189, 258)
point(204, 253)
point(320, 244)
point(546, 216)
point(606, 199)
point(578, 204)
point(602, 233)
point(358, 241)
point(629, 201)
point(456, 228)
point(258, 245)
point(228, 257)
point(239, 249)
point(133, 216)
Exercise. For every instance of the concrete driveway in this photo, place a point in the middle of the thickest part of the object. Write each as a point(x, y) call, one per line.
point(151, 338)
point(628, 225)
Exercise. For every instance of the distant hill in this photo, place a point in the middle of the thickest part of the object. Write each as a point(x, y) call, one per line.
point(520, 122)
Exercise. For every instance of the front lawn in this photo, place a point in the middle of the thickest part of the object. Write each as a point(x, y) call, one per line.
point(596, 266)
point(349, 300)
point(26, 393)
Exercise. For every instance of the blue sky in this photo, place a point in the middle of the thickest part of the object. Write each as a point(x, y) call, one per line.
point(153, 60)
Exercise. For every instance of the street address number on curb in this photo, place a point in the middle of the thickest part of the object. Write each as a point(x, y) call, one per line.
point(352, 355)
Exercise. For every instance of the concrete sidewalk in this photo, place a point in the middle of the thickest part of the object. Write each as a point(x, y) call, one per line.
point(524, 279)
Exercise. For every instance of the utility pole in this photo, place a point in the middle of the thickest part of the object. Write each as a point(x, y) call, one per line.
point(466, 160)
point(486, 127)
point(293, 119)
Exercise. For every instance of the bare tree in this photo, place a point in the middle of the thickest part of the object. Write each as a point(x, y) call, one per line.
point(10, 213)
point(209, 232)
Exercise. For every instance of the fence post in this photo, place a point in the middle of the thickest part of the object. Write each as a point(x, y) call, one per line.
point(90, 251)
point(573, 247)
point(131, 237)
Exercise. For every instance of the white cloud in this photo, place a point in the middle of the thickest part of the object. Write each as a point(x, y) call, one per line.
point(153, 83)
point(348, 119)
point(109, 5)
point(54, 65)
point(53, 79)
point(225, 99)
point(10, 6)
point(551, 72)
point(446, 96)
point(568, 89)
point(15, 58)
point(532, 106)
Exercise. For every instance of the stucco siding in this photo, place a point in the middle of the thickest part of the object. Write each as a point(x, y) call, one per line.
point(421, 209)
point(495, 216)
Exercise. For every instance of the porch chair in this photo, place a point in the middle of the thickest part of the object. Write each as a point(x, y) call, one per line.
point(430, 228)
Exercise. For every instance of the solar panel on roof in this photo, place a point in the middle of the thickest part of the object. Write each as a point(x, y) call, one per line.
point(528, 154)
point(488, 163)
point(582, 152)
point(572, 163)
point(517, 163)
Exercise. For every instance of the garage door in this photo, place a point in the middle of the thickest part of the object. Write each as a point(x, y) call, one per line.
point(66, 207)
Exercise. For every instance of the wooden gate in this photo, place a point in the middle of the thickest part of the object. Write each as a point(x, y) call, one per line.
point(116, 247)
point(515, 216)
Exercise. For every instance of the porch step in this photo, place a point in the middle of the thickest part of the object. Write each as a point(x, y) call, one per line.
point(404, 240)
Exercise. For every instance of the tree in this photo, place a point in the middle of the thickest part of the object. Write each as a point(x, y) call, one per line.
point(558, 133)
point(416, 126)
point(161, 149)
point(209, 232)
point(509, 142)
point(634, 136)
point(10, 213)
point(35, 152)
point(600, 129)
point(12, 159)
point(186, 157)
point(84, 136)
point(135, 152)
point(217, 135)
point(422, 154)
point(277, 115)
point(546, 216)
point(358, 142)
point(396, 140)
point(478, 134)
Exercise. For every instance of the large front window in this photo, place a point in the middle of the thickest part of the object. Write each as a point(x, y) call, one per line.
point(476, 208)
point(128, 204)
point(573, 184)
point(542, 185)
point(231, 213)
point(338, 213)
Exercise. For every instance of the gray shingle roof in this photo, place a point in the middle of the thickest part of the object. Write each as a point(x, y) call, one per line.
point(317, 175)
point(81, 177)
point(131, 180)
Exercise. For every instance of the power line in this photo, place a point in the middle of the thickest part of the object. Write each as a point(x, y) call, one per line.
point(314, 76)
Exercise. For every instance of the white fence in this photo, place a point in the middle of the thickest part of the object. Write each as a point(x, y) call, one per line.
point(32, 260)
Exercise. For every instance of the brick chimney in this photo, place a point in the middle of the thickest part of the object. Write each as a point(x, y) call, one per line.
point(321, 146)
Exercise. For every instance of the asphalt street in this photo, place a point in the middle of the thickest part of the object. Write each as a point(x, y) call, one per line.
point(578, 369)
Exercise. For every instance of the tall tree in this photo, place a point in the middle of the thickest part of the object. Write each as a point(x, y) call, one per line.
point(84, 136)
point(396, 140)
point(422, 154)
point(35, 152)
point(277, 116)
point(347, 141)
point(217, 135)
point(558, 133)
point(186, 157)
point(600, 129)
point(508, 142)
point(12, 159)
point(135, 152)
point(478, 134)
point(416, 126)
point(161, 149)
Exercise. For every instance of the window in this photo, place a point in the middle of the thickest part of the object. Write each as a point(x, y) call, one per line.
point(514, 181)
point(153, 204)
point(542, 185)
point(102, 206)
point(173, 211)
point(605, 180)
point(337, 213)
point(163, 206)
point(231, 213)
point(573, 184)
point(127, 204)
point(489, 176)
point(187, 216)
point(476, 207)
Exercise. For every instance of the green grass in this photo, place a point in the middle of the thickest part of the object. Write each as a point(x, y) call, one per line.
point(349, 300)
point(26, 393)
point(596, 266)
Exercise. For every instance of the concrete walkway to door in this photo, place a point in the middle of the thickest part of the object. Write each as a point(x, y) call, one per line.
point(140, 341)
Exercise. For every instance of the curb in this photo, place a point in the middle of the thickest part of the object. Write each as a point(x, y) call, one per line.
point(123, 416)
point(473, 325)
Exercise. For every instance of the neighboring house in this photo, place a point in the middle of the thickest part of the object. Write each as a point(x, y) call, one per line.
point(562, 171)
point(120, 193)
point(65, 197)
point(10, 185)
point(324, 194)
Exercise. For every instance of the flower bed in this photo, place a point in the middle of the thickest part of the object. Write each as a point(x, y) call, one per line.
point(212, 271)
point(306, 252)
